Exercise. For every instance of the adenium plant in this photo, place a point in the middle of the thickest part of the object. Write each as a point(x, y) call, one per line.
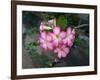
point(53, 38)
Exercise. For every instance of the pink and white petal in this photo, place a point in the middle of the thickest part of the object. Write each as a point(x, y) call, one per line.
point(56, 30)
point(63, 34)
point(56, 50)
point(42, 23)
point(68, 39)
point(73, 39)
point(49, 37)
point(59, 54)
point(66, 50)
point(69, 30)
point(50, 33)
point(64, 41)
point(64, 54)
point(50, 46)
point(44, 46)
point(43, 35)
point(41, 40)
point(42, 26)
point(60, 42)
point(73, 31)
point(55, 42)
point(71, 36)
point(70, 43)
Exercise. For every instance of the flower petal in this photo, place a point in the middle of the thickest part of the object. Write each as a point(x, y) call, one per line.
point(59, 54)
point(56, 42)
point(70, 43)
point(71, 36)
point(73, 31)
point(69, 30)
point(42, 26)
point(63, 54)
point(44, 46)
point(63, 34)
point(43, 35)
point(56, 50)
point(66, 50)
point(50, 46)
point(64, 41)
point(41, 40)
point(49, 37)
point(56, 30)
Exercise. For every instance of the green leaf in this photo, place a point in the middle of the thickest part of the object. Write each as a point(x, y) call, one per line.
point(30, 31)
point(32, 46)
point(40, 60)
point(62, 21)
point(77, 41)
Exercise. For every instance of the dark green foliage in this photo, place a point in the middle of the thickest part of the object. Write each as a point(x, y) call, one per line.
point(62, 21)
point(39, 60)
point(31, 47)
point(48, 16)
point(30, 31)
point(73, 19)
point(77, 41)
point(30, 19)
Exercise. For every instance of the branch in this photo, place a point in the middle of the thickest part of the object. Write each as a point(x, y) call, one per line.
point(80, 26)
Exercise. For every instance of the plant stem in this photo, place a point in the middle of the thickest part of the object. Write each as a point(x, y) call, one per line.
point(80, 26)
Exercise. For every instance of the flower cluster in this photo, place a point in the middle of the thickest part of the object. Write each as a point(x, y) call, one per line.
point(56, 40)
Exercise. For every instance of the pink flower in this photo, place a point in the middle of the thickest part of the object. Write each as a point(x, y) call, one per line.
point(58, 35)
point(46, 41)
point(56, 40)
point(70, 35)
point(42, 26)
point(62, 51)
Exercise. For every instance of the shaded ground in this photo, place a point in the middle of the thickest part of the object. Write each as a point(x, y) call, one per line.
point(26, 60)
